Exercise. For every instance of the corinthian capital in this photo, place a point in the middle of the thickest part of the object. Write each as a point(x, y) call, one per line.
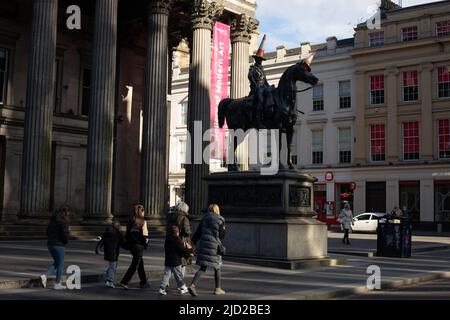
point(242, 28)
point(160, 6)
point(205, 14)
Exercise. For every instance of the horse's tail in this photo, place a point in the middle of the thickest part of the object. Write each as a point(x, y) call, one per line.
point(222, 111)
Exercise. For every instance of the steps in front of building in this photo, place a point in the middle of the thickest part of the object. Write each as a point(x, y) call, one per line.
point(77, 232)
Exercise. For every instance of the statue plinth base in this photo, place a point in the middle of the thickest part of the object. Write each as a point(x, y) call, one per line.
point(269, 219)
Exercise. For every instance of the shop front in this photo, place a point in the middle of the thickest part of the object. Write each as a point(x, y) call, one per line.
point(410, 199)
point(442, 202)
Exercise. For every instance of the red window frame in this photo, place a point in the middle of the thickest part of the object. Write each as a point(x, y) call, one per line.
point(410, 33)
point(443, 28)
point(376, 39)
point(410, 85)
point(443, 82)
point(444, 138)
point(377, 142)
point(411, 141)
point(377, 89)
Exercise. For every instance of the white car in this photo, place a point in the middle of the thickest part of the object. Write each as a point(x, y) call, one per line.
point(366, 222)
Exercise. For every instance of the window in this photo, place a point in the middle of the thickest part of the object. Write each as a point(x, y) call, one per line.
point(410, 141)
point(345, 145)
point(444, 139)
point(443, 82)
point(377, 142)
point(317, 147)
point(86, 93)
point(183, 110)
point(3, 74)
point(183, 154)
point(364, 217)
point(377, 89)
point(409, 33)
point(376, 39)
point(318, 98)
point(345, 95)
point(410, 86)
point(443, 28)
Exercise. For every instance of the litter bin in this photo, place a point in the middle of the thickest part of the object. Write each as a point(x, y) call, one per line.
point(394, 238)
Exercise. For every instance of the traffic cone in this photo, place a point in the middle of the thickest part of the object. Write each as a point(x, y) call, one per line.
point(308, 61)
point(260, 53)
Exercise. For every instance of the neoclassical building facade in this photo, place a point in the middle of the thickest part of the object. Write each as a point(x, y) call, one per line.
point(85, 112)
point(376, 129)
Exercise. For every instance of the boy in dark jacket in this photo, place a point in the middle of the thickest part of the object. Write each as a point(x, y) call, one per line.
point(175, 249)
point(111, 242)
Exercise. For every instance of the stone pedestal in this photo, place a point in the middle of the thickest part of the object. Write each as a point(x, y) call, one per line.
point(269, 219)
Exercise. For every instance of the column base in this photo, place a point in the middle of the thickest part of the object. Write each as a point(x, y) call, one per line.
point(34, 219)
point(97, 220)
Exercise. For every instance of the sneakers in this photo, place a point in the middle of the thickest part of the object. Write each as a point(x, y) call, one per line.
point(43, 280)
point(183, 290)
point(162, 292)
point(110, 284)
point(219, 292)
point(192, 291)
point(59, 286)
point(124, 286)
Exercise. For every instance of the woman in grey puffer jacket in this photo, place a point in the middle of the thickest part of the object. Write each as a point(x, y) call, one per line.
point(209, 237)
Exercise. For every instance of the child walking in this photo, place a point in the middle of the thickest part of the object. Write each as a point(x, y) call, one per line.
point(111, 242)
point(175, 249)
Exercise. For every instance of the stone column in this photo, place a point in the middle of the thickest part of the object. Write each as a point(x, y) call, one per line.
point(101, 114)
point(426, 141)
point(204, 16)
point(392, 142)
point(37, 145)
point(242, 29)
point(154, 171)
point(360, 117)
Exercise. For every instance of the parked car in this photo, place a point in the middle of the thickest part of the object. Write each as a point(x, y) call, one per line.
point(367, 222)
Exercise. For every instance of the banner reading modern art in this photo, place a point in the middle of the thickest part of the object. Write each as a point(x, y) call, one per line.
point(219, 87)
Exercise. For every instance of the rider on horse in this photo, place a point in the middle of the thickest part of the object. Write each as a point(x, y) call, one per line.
point(259, 87)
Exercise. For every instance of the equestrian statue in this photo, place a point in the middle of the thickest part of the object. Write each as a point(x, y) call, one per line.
point(268, 107)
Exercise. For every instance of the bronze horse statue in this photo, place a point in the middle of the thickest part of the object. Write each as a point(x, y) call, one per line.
point(282, 115)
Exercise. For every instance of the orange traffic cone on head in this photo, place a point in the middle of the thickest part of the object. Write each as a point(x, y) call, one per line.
point(260, 53)
point(308, 61)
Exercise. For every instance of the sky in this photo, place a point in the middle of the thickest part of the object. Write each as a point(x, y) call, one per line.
point(291, 22)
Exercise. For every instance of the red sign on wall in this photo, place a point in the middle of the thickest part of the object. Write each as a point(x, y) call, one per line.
point(329, 176)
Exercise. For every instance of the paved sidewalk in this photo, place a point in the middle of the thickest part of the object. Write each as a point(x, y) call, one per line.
point(25, 260)
point(366, 244)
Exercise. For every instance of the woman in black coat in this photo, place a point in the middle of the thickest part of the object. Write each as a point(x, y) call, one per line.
point(209, 237)
point(136, 240)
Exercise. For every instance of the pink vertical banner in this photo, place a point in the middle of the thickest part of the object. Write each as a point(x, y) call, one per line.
point(219, 86)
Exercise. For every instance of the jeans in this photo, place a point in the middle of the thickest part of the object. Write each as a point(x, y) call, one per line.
point(57, 253)
point(110, 274)
point(202, 270)
point(137, 251)
point(177, 274)
point(183, 273)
